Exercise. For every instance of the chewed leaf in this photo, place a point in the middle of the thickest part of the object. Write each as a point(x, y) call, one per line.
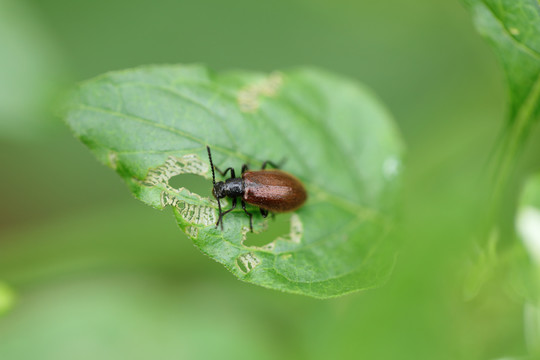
point(153, 123)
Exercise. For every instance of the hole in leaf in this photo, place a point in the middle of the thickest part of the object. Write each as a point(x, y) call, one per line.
point(280, 226)
point(247, 262)
point(194, 183)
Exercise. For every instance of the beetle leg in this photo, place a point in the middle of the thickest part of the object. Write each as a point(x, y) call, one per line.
point(273, 164)
point(248, 214)
point(264, 213)
point(220, 219)
point(245, 168)
point(223, 173)
point(268, 162)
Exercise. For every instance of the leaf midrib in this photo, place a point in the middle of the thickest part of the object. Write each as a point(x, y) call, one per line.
point(221, 92)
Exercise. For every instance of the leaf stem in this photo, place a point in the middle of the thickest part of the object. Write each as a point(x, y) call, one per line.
point(516, 139)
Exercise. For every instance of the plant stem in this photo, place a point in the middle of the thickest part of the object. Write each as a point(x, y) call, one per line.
point(517, 137)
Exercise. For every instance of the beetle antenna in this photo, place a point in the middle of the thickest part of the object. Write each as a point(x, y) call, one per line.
point(214, 184)
point(211, 165)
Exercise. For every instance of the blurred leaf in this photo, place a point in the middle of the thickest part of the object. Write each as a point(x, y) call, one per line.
point(7, 298)
point(513, 28)
point(481, 267)
point(526, 272)
point(30, 69)
point(528, 219)
point(527, 266)
point(153, 123)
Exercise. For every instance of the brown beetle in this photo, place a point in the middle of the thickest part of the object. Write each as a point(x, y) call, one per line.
point(270, 190)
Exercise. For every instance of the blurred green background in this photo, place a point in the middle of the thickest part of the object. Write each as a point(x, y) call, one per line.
point(91, 273)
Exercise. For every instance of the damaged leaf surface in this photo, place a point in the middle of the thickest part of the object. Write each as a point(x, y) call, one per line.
point(152, 123)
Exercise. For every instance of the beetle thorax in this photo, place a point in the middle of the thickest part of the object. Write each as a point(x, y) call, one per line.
point(231, 187)
point(234, 187)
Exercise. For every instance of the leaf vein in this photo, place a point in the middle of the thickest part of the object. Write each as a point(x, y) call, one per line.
point(205, 107)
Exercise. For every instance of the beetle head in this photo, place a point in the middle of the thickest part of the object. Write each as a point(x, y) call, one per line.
point(219, 190)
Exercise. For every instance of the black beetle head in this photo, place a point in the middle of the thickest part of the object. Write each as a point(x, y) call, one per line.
point(219, 190)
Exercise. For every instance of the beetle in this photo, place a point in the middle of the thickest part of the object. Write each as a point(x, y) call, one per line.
point(272, 191)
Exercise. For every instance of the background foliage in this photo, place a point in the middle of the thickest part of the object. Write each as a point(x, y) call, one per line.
point(92, 272)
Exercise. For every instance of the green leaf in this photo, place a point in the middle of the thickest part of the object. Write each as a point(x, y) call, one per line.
point(152, 123)
point(513, 29)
